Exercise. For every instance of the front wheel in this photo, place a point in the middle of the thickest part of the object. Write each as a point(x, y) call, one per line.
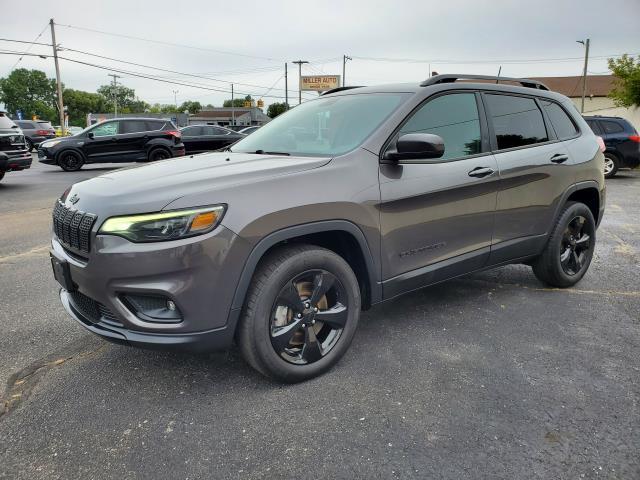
point(569, 250)
point(28, 144)
point(70, 161)
point(1, 175)
point(301, 313)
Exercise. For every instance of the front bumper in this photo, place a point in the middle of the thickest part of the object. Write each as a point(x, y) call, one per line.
point(15, 160)
point(45, 156)
point(198, 274)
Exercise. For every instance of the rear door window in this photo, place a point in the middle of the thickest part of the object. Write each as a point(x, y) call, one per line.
point(517, 121)
point(562, 124)
point(133, 126)
point(192, 131)
point(593, 125)
point(454, 117)
point(611, 127)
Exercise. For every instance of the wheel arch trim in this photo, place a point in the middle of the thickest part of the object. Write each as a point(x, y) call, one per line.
point(290, 233)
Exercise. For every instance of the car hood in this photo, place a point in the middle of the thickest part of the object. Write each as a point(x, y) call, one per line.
point(152, 187)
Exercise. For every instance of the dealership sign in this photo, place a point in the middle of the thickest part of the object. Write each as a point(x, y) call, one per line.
point(319, 83)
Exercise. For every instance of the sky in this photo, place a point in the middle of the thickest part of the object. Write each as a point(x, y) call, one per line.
point(247, 43)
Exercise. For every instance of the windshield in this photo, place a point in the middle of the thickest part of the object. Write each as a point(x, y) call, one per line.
point(327, 126)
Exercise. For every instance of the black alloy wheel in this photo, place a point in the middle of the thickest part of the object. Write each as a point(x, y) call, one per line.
point(576, 243)
point(308, 317)
point(28, 144)
point(70, 161)
point(158, 154)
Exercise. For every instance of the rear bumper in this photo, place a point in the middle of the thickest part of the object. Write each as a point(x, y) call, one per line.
point(207, 341)
point(178, 150)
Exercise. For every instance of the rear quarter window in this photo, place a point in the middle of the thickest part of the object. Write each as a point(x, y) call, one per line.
point(560, 120)
point(611, 127)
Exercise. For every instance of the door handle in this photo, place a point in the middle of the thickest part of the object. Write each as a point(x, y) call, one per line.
point(480, 172)
point(559, 158)
point(113, 139)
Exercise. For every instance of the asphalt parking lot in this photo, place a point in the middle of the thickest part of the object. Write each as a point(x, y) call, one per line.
point(492, 375)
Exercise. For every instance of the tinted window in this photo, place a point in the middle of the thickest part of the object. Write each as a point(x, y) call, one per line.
point(594, 126)
point(192, 131)
point(455, 118)
point(27, 125)
point(155, 125)
point(45, 125)
point(517, 121)
point(133, 126)
point(105, 129)
point(611, 127)
point(562, 124)
point(216, 131)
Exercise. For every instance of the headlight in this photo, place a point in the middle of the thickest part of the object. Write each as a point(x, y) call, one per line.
point(50, 143)
point(156, 227)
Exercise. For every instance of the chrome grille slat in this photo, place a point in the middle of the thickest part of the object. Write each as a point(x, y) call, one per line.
point(73, 227)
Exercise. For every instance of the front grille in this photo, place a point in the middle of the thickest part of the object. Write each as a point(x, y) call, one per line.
point(73, 227)
point(93, 311)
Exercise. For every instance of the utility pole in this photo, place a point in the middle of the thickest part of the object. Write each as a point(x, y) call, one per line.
point(175, 98)
point(286, 88)
point(114, 89)
point(233, 108)
point(584, 72)
point(58, 81)
point(299, 63)
point(344, 65)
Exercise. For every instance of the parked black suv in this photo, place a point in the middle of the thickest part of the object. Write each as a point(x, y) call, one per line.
point(343, 202)
point(14, 155)
point(621, 140)
point(118, 140)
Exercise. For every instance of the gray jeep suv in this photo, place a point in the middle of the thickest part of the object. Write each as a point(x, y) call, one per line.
point(341, 203)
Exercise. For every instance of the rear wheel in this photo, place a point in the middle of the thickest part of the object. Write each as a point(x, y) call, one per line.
point(301, 313)
point(70, 161)
point(1, 175)
point(610, 165)
point(569, 251)
point(158, 154)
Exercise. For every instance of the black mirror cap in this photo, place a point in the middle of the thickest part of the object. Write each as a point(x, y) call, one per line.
point(90, 135)
point(417, 146)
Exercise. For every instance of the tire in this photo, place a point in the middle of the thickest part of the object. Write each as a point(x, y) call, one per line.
point(312, 342)
point(70, 161)
point(569, 250)
point(1, 175)
point(158, 154)
point(28, 144)
point(611, 165)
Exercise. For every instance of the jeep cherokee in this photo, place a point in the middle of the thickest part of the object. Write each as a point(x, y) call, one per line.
point(341, 203)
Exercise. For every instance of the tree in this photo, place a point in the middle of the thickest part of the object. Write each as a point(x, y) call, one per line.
point(30, 91)
point(190, 106)
point(80, 103)
point(276, 109)
point(126, 98)
point(626, 92)
point(237, 102)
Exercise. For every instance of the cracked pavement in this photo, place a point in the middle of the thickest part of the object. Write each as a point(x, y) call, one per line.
point(492, 375)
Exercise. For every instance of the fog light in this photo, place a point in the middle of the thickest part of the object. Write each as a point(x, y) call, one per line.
point(153, 308)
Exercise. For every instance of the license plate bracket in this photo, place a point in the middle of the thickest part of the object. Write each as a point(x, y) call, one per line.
point(62, 273)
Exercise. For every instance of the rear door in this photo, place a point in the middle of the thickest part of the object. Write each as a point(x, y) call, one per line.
point(132, 139)
point(218, 137)
point(437, 215)
point(193, 139)
point(535, 171)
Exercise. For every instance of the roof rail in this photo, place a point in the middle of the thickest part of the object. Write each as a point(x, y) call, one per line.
point(340, 89)
point(451, 77)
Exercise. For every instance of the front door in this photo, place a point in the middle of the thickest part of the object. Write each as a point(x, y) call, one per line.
point(437, 215)
point(102, 147)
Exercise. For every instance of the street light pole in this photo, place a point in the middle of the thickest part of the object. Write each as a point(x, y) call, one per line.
point(58, 81)
point(344, 65)
point(286, 87)
point(299, 63)
point(175, 98)
point(233, 108)
point(584, 72)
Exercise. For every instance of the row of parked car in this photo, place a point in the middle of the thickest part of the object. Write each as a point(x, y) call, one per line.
point(150, 139)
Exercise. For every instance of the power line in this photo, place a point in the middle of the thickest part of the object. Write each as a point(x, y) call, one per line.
point(160, 42)
point(469, 62)
point(29, 48)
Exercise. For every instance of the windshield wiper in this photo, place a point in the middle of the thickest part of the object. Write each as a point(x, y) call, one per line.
point(262, 152)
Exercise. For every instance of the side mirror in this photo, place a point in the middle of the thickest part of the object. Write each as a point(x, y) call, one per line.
point(416, 146)
point(90, 135)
